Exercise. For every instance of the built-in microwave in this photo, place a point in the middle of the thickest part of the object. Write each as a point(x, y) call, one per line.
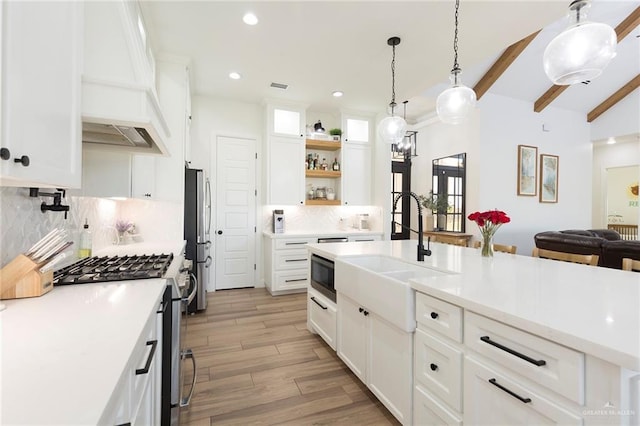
point(322, 276)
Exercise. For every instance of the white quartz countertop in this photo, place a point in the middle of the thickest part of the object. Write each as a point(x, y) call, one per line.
point(161, 247)
point(591, 309)
point(62, 354)
point(330, 234)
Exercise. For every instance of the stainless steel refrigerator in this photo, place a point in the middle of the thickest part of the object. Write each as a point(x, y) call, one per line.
point(197, 225)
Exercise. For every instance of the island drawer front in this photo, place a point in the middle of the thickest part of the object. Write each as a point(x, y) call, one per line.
point(322, 316)
point(492, 397)
point(294, 243)
point(438, 367)
point(292, 259)
point(290, 280)
point(439, 316)
point(428, 411)
point(547, 363)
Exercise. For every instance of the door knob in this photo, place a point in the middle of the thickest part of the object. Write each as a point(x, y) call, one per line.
point(219, 232)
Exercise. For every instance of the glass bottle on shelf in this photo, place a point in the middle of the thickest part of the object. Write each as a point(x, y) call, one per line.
point(336, 165)
point(325, 166)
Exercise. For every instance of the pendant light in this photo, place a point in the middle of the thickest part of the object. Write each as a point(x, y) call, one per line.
point(393, 128)
point(455, 104)
point(582, 50)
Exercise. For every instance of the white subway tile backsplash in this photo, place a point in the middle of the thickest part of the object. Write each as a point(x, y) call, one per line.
point(323, 218)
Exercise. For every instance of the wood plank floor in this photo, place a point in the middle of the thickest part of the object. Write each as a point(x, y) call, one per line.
point(259, 365)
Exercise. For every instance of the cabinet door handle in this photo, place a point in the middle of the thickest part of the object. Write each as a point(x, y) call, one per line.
point(434, 315)
point(433, 367)
point(147, 366)
point(366, 313)
point(538, 362)
point(5, 154)
point(360, 310)
point(318, 303)
point(296, 280)
point(295, 260)
point(24, 160)
point(510, 392)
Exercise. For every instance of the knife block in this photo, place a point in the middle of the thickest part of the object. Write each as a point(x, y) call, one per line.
point(21, 278)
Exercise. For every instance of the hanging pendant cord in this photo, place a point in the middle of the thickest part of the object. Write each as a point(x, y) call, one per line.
point(393, 79)
point(455, 40)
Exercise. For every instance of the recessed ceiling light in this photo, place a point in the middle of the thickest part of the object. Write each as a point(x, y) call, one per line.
point(611, 140)
point(250, 19)
point(234, 76)
point(337, 93)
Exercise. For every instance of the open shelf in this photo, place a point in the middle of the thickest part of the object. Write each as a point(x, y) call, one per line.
point(328, 174)
point(323, 202)
point(323, 145)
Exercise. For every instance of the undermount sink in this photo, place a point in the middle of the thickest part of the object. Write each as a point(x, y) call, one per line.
point(381, 284)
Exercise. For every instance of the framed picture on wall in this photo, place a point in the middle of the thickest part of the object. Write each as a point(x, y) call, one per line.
point(527, 168)
point(549, 178)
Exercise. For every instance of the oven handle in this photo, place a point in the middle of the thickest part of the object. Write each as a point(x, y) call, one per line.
point(191, 295)
point(188, 353)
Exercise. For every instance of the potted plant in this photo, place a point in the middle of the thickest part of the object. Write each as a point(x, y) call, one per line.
point(434, 203)
point(336, 133)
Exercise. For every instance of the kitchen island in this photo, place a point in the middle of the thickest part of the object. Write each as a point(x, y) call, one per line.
point(580, 323)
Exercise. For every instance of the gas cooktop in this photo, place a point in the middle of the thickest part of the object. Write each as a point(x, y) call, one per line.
point(113, 268)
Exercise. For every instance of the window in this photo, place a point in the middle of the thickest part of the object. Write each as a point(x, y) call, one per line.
point(449, 180)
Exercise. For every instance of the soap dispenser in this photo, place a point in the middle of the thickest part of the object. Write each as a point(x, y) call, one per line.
point(84, 249)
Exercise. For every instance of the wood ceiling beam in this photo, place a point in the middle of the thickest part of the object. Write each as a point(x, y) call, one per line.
point(632, 85)
point(622, 30)
point(505, 60)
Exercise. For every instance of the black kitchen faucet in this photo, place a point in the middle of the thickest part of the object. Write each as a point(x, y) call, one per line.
point(421, 250)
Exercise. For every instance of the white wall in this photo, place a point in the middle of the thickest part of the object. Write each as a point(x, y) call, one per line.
point(622, 119)
point(605, 157)
point(490, 138)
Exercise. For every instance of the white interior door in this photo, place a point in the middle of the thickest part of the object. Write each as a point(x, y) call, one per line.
point(235, 235)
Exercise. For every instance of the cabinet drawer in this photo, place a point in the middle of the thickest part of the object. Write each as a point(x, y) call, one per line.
point(438, 367)
point(294, 243)
point(439, 316)
point(554, 366)
point(290, 280)
point(147, 350)
point(495, 398)
point(428, 411)
point(291, 259)
point(322, 317)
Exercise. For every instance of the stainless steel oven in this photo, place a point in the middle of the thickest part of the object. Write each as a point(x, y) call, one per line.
point(322, 276)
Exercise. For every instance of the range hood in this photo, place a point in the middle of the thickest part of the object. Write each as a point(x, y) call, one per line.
point(122, 117)
point(120, 108)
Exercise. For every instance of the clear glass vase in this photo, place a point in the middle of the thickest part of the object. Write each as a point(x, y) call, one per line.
point(487, 245)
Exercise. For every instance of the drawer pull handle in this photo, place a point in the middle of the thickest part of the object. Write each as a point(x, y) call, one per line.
point(433, 367)
point(295, 260)
point(147, 366)
point(434, 315)
point(318, 303)
point(538, 362)
point(293, 281)
point(295, 244)
point(513, 394)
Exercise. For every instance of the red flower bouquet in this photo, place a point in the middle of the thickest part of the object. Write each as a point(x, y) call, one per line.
point(489, 222)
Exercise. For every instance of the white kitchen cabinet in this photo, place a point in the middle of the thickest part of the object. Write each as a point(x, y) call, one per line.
point(494, 398)
point(286, 120)
point(356, 174)
point(40, 125)
point(428, 411)
point(322, 315)
point(137, 399)
point(143, 176)
point(286, 171)
point(379, 353)
point(286, 262)
point(356, 160)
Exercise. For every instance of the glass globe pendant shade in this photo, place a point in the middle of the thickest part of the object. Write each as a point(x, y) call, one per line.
point(455, 104)
point(582, 51)
point(392, 129)
point(579, 53)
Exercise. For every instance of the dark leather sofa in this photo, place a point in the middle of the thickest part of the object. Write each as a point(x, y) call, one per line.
point(606, 243)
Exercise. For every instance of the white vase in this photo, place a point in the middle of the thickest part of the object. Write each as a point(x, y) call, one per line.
point(428, 222)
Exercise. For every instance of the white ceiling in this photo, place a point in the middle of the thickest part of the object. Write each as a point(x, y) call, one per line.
point(317, 47)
